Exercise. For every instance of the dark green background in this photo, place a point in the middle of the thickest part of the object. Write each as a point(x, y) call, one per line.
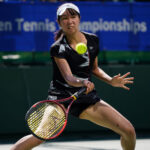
point(21, 86)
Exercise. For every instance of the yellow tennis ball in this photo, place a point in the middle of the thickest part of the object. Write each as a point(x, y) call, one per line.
point(81, 48)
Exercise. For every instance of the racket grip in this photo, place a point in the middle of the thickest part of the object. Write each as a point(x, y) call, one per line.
point(79, 93)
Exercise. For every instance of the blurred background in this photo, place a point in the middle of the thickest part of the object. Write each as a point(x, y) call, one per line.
point(27, 30)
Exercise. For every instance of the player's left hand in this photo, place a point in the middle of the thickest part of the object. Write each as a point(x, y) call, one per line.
point(121, 81)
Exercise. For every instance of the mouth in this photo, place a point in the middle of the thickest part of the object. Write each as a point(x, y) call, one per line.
point(70, 27)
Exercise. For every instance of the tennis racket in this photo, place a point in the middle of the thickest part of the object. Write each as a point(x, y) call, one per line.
point(47, 119)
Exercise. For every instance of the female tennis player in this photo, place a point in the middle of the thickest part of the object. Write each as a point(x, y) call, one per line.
point(71, 71)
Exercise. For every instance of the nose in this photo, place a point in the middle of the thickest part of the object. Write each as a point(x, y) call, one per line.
point(69, 20)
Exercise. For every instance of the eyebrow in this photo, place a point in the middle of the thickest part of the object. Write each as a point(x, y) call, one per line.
point(64, 16)
point(68, 15)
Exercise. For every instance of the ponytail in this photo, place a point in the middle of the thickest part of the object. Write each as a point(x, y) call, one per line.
point(58, 34)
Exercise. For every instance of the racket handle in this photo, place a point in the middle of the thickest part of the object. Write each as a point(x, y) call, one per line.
point(79, 93)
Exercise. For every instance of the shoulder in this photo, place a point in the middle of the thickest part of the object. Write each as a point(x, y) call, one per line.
point(91, 35)
point(93, 41)
point(59, 47)
point(58, 42)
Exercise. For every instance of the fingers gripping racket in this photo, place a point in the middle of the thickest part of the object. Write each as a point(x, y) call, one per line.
point(47, 119)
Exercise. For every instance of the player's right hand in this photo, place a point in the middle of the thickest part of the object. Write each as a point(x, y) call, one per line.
point(89, 85)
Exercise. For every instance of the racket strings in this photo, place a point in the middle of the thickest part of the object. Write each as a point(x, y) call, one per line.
point(51, 131)
point(47, 120)
point(33, 120)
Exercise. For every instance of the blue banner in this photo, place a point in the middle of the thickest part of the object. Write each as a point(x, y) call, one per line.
point(31, 27)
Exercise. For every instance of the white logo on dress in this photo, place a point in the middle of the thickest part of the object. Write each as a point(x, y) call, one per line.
point(91, 47)
point(61, 48)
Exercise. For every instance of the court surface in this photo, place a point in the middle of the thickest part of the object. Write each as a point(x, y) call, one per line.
point(142, 144)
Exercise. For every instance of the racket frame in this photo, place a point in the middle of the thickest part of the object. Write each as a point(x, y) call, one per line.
point(66, 111)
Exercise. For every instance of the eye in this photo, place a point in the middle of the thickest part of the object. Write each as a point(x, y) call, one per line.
point(64, 17)
point(73, 16)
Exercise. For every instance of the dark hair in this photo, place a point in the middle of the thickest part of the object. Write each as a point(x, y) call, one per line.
point(60, 32)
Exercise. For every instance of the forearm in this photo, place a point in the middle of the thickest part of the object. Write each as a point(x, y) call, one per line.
point(77, 82)
point(73, 81)
point(70, 78)
point(67, 74)
point(100, 74)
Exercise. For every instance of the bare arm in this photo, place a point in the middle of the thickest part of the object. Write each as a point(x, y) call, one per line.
point(68, 76)
point(116, 81)
point(100, 74)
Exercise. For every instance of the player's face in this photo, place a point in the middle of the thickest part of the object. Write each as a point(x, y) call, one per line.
point(69, 23)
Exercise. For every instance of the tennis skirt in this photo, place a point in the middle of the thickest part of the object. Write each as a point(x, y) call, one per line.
point(79, 105)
